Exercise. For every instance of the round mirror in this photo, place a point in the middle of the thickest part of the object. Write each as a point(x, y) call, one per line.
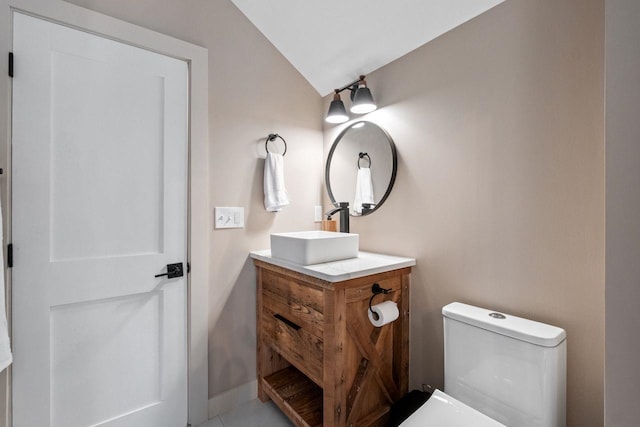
point(361, 168)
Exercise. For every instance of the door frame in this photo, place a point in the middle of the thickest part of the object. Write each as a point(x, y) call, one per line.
point(199, 221)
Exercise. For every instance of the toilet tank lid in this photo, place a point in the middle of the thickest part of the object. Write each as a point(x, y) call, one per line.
point(505, 324)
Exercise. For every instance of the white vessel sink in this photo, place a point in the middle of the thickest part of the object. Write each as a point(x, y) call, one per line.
point(314, 247)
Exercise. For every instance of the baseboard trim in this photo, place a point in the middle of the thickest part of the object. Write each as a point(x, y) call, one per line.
point(229, 399)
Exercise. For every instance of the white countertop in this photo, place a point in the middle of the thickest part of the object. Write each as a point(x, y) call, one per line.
point(336, 271)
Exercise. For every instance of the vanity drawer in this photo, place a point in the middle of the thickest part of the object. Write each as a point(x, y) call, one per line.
point(301, 348)
point(300, 303)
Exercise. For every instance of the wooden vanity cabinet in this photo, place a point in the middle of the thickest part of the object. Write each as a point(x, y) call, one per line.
point(319, 358)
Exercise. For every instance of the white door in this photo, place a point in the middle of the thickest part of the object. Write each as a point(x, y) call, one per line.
point(99, 208)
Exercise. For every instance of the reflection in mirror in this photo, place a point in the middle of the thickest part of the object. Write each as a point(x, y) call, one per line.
point(361, 168)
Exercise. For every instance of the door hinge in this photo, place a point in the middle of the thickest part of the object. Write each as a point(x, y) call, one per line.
point(10, 255)
point(10, 64)
point(188, 268)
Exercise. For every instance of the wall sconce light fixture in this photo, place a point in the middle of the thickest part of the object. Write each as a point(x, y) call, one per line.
point(361, 102)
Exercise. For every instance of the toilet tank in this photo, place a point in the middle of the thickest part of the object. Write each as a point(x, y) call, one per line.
point(509, 368)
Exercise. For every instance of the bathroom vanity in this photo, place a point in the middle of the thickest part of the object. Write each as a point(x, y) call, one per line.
point(319, 358)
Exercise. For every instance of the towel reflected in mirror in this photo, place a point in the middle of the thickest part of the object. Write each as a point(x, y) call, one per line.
point(364, 190)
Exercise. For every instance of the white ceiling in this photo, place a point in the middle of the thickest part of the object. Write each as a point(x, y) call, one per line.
point(331, 42)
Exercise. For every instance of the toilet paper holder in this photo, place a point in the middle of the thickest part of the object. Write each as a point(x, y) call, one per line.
point(376, 289)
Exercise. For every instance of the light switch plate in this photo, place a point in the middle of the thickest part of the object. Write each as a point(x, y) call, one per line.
point(318, 214)
point(229, 217)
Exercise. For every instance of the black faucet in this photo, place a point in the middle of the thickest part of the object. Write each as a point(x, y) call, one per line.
point(344, 216)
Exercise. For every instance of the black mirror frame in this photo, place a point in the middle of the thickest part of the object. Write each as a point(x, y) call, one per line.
point(394, 170)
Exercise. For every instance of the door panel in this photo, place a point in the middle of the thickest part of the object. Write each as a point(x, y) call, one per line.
point(87, 144)
point(83, 377)
point(99, 205)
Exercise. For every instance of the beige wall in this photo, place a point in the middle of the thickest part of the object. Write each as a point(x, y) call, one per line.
point(253, 91)
point(500, 187)
point(623, 213)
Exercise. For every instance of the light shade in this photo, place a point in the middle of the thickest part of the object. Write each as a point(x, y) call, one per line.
point(337, 113)
point(363, 100)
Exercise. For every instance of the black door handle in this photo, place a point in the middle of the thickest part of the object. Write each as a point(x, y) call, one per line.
point(173, 271)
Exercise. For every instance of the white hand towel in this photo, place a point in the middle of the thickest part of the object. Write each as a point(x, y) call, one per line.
point(364, 189)
point(5, 348)
point(275, 194)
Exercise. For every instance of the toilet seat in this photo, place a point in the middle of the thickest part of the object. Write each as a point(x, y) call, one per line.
point(443, 410)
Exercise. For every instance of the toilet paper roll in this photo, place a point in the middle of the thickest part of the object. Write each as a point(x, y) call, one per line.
point(387, 312)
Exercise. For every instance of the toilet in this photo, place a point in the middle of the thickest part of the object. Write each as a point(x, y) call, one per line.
point(499, 370)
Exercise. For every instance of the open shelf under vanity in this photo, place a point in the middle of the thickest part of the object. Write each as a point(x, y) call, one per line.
point(296, 395)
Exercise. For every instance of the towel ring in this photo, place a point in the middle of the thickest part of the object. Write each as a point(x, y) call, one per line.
point(272, 137)
point(364, 156)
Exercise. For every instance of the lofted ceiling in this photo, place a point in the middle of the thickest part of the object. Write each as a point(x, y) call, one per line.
point(331, 42)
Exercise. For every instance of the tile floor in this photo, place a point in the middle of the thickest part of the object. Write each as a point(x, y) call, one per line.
point(251, 414)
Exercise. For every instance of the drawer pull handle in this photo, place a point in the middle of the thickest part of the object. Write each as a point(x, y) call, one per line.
point(287, 322)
